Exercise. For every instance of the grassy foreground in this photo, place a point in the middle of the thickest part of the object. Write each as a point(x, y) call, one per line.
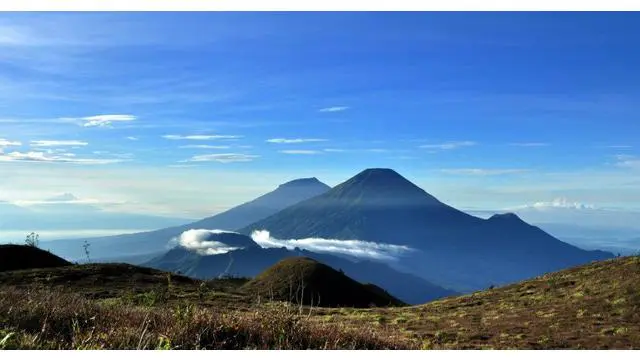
point(52, 320)
point(117, 306)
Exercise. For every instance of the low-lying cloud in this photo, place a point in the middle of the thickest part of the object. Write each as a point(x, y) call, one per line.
point(559, 203)
point(198, 240)
point(355, 248)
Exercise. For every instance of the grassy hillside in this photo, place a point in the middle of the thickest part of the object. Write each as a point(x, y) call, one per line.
point(596, 306)
point(305, 281)
point(17, 257)
point(118, 306)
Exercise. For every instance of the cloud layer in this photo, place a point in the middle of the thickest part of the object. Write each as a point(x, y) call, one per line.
point(355, 248)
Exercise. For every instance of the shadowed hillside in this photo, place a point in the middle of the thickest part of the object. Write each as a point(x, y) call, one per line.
point(17, 257)
point(305, 281)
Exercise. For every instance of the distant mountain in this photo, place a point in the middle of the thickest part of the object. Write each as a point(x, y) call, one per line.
point(253, 260)
point(453, 248)
point(150, 242)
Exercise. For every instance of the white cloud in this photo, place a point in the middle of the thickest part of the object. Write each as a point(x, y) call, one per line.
point(559, 203)
point(377, 150)
point(49, 143)
point(5, 143)
point(619, 146)
point(293, 141)
point(200, 137)
point(223, 158)
point(204, 147)
point(334, 109)
point(300, 152)
point(333, 150)
point(199, 240)
point(355, 248)
point(101, 120)
point(66, 198)
point(132, 138)
point(33, 156)
point(449, 145)
point(530, 144)
point(628, 161)
point(483, 172)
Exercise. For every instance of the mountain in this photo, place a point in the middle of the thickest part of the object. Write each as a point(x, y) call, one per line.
point(302, 280)
point(253, 260)
point(453, 248)
point(156, 242)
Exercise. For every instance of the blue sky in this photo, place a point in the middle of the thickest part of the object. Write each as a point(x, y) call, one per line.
point(188, 114)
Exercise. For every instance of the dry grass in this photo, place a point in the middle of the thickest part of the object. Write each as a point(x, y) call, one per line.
point(51, 320)
point(596, 306)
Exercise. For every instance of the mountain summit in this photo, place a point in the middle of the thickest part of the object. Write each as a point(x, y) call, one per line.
point(454, 249)
point(383, 185)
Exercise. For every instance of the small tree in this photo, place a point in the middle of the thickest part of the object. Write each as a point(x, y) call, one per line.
point(32, 239)
point(86, 246)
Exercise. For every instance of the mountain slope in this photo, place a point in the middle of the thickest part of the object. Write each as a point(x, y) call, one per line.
point(454, 249)
point(252, 261)
point(592, 306)
point(302, 280)
point(156, 241)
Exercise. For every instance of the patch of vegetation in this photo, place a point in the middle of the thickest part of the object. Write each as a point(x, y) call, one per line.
point(305, 281)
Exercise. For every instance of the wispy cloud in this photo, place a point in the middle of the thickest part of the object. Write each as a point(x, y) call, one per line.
point(301, 152)
point(334, 109)
point(67, 198)
point(6, 143)
point(619, 146)
point(355, 248)
point(483, 172)
point(377, 150)
point(530, 144)
point(204, 147)
point(334, 150)
point(628, 161)
point(452, 145)
point(51, 143)
point(201, 137)
point(559, 203)
point(294, 141)
point(101, 120)
point(223, 158)
point(41, 157)
point(132, 138)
